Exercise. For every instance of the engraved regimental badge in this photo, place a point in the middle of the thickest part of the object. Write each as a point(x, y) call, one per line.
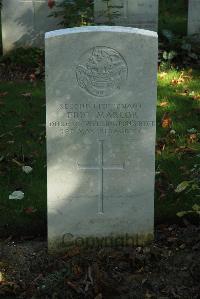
point(101, 71)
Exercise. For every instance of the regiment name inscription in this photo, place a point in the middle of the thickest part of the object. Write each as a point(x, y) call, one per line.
point(100, 119)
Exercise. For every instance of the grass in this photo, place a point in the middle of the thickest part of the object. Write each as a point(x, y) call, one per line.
point(22, 142)
point(179, 96)
point(22, 139)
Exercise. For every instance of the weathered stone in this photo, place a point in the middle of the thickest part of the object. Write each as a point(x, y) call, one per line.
point(134, 13)
point(194, 17)
point(101, 113)
point(24, 23)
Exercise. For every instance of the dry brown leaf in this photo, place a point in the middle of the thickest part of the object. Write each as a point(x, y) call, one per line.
point(162, 75)
point(72, 252)
point(163, 104)
point(17, 162)
point(77, 270)
point(30, 210)
point(32, 77)
point(196, 97)
point(182, 79)
point(192, 138)
point(166, 121)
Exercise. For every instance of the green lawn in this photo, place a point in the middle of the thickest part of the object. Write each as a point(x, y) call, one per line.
point(22, 142)
point(180, 97)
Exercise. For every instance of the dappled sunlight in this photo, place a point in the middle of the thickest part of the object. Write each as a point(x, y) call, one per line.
point(26, 28)
point(61, 182)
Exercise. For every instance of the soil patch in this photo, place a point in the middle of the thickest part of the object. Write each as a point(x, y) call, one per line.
point(167, 268)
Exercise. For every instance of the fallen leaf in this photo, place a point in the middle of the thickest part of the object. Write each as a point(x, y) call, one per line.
point(30, 210)
point(32, 77)
point(1, 277)
point(166, 121)
point(77, 270)
point(172, 132)
point(16, 195)
point(27, 169)
point(17, 162)
point(192, 138)
point(72, 252)
point(182, 78)
point(182, 186)
point(162, 75)
point(160, 145)
point(163, 104)
point(196, 97)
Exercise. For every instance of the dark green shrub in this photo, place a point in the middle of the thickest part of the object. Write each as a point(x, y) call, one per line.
point(28, 58)
point(75, 12)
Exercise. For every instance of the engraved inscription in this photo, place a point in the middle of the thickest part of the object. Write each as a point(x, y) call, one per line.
point(100, 119)
point(101, 71)
point(101, 167)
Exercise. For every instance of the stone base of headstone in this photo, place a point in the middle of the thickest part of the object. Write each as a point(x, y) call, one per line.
point(63, 244)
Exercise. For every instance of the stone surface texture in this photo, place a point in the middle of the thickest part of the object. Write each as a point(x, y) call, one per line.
point(194, 17)
point(101, 115)
point(135, 13)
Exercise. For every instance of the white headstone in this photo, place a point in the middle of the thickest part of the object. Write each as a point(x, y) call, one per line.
point(24, 23)
point(134, 13)
point(194, 17)
point(101, 114)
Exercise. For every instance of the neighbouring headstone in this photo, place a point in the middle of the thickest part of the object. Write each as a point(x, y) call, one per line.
point(101, 114)
point(193, 17)
point(24, 23)
point(134, 13)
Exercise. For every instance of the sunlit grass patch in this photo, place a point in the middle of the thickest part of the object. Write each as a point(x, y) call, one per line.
point(178, 136)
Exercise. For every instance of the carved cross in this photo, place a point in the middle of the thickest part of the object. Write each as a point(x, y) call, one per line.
point(101, 168)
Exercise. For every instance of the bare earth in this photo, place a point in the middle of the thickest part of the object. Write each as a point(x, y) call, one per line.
point(167, 268)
